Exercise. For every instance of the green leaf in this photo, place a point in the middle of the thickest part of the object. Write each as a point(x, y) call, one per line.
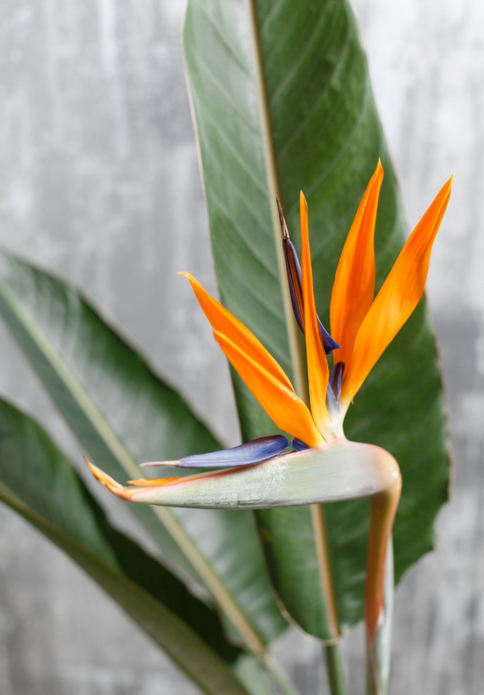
point(39, 483)
point(282, 102)
point(122, 413)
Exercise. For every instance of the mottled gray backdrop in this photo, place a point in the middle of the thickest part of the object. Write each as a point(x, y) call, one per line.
point(99, 182)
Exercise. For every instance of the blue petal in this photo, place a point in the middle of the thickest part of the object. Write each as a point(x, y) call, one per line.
point(333, 391)
point(293, 269)
point(335, 379)
point(243, 455)
point(328, 342)
point(298, 445)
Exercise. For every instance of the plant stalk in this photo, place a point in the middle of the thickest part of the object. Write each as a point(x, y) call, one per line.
point(326, 578)
point(334, 667)
point(371, 684)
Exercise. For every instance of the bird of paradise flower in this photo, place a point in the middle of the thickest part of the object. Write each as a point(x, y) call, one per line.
point(323, 465)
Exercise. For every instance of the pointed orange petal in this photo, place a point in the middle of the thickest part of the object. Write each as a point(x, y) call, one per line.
point(398, 296)
point(282, 405)
point(318, 372)
point(223, 321)
point(354, 283)
point(108, 482)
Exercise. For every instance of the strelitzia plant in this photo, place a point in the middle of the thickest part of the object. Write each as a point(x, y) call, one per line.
point(281, 100)
point(323, 465)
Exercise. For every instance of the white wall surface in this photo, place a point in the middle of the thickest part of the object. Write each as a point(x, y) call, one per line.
point(97, 171)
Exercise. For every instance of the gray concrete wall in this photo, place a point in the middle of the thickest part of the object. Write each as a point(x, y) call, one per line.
point(97, 170)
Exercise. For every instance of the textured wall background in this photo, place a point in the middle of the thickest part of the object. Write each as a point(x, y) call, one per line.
point(97, 172)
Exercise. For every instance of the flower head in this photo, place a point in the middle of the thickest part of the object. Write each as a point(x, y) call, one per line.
point(361, 326)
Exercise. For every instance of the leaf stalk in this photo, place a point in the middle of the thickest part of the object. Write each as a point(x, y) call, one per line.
point(334, 666)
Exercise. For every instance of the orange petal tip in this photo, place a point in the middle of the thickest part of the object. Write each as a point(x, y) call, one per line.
point(107, 481)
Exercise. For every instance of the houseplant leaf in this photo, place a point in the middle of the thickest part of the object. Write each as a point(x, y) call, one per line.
point(38, 482)
point(282, 102)
point(122, 413)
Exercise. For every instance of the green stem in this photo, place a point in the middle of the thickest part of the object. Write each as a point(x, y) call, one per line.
point(280, 677)
point(334, 667)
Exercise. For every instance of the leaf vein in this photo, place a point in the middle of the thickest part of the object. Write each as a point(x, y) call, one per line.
point(301, 58)
point(238, 59)
point(258, 184)
point(343, 148)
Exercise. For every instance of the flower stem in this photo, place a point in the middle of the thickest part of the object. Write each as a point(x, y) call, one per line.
point(325, 575)
point(334, 668)
point(371, 684)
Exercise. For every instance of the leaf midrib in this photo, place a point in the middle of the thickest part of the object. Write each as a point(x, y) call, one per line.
point(274, 190)
point(297, 360)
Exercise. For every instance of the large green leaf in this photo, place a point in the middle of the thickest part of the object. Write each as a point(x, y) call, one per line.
point(39, 483)
point(282, 102)
point(122, 413)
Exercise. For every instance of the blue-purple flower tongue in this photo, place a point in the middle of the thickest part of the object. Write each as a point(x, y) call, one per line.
point(298, 445)
point(251, 452)
point(333, 392)
point(293, 269)
point(335, 379)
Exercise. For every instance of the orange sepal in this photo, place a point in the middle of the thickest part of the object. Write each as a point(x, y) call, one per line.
point(318, 371)
point(224, 322)
point(282, 405)
point(354, 283)
point(398, 296)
